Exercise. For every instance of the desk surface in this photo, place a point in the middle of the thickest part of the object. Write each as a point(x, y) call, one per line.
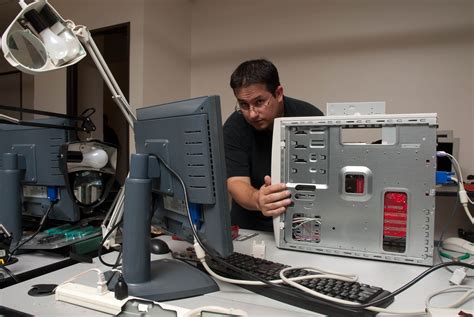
point(387, 275)
point(34, 264)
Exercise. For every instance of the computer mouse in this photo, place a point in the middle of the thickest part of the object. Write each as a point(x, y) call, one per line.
point(158, 246)
point(458, 245)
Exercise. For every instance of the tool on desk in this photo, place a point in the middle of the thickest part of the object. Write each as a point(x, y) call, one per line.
point(62, 236)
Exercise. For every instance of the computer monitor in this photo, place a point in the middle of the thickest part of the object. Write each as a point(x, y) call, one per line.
point(187, 135)
point(37, 152)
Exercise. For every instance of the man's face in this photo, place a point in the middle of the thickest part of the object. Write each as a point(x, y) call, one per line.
point(258, 106)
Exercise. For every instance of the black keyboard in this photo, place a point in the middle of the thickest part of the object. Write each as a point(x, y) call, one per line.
point(268, 270)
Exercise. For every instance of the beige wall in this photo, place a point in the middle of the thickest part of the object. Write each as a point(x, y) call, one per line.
point(472, 90)
point(415, 55)
point(159, 46)
point(97, 14)
point(167, 49)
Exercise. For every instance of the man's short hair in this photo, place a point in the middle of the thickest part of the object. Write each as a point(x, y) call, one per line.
point(257, 71)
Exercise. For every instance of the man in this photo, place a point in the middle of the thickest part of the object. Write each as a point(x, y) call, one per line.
point(248, 143)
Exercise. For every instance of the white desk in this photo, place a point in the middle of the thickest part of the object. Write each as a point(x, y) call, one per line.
point(34, 264)
point(390, 276)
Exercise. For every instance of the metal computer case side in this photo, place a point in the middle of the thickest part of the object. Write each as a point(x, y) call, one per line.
point(340, 190)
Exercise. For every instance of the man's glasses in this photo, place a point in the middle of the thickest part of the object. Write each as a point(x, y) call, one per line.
point(257, 106)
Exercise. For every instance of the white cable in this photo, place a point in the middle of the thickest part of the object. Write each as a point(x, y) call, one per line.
point(344, 277)
point(101, 283)
point(303, 222)
point(463, 196)
point(291, 281)
point(460, 178)
point(201, 256)
point(115, 214)
point(10, 119)
point(457, 167)
point(469, 291)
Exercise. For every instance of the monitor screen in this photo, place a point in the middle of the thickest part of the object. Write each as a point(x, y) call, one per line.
point(187, 136)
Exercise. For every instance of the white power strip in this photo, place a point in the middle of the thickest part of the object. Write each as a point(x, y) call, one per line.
point(87, 296)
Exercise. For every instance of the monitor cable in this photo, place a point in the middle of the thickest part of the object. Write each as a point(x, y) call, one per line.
point(463, 196)
point(370, 306)
point(198, 241)
point(40, 227)
point(10, 273)
point(99, 252)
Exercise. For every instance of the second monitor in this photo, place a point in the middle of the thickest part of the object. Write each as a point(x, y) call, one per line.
point(187, 136)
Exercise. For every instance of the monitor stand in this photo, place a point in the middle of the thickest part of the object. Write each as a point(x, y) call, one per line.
point(171, 279)
point(159, 280)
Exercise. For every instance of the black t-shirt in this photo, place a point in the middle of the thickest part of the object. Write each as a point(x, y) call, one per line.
point(248, 152)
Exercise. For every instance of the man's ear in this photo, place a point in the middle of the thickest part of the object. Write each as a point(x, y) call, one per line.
point(279, 93)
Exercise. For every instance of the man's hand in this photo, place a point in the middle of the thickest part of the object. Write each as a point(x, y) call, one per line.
point(272, 200)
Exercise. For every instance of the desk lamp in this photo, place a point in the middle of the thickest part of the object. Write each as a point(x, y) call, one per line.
point(29, 46)
point(40, 40)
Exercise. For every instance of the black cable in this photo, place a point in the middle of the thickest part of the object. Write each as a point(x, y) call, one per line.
point(414, 281)
point(10, 273)
point(99, 252)
point(43, 220)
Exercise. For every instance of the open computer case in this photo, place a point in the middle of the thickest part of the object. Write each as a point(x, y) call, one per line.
point(373, 200)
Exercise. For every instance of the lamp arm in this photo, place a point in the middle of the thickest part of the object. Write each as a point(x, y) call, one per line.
point(85, 37)
point(116, 210)
point(85, 119)
point(115, 214)
point(9, 119)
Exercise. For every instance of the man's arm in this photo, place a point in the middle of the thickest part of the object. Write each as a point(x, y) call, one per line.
point(271, 200)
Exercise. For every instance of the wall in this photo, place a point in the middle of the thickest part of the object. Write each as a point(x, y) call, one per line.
point(159, 43)
point(159, 49)
point(167, 48)
point(415, 55)
point(97, 14)
point(8, 11)
point(472, 89)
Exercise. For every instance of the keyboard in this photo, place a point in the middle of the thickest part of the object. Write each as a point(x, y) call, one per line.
point(268, 270)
